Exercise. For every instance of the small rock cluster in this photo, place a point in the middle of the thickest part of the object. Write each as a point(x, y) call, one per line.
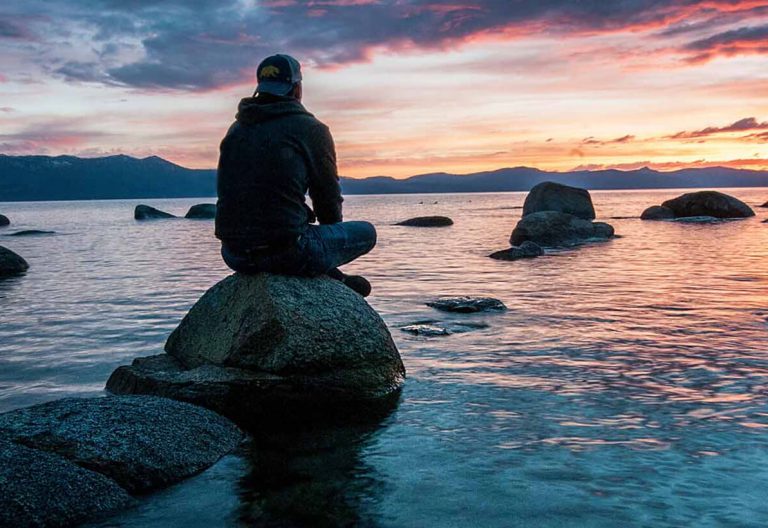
point(554, 215)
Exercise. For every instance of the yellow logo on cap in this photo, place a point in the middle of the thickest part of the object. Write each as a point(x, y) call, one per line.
point(269, 71)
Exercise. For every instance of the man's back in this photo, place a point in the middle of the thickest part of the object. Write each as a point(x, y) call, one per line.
point(271, 156)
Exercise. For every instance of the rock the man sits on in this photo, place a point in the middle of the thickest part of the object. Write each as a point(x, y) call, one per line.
point(273, 154)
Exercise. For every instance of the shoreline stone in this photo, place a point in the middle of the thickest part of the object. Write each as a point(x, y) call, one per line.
point(468, 304)
point(658, 212)
point(256, 345)
point(204, 211)
point(552, 196)
point(4, 221)
point(140, 442)
point(555, 229)
point(708, 203)
point(525, 250)
point(40, 489)
point(145, 212)
point(11, 264)
point(427, 221)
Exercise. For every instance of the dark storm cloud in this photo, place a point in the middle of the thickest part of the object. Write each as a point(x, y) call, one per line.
point(206, 44)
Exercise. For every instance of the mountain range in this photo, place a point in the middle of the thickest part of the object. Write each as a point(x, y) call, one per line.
point(39, 178)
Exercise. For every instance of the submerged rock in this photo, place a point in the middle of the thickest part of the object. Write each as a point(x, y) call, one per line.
point(145, 212)
point(551, 196)
point(525, 250)
point(435, 328)
point(30, 232)
point(427, 221)
point(254, 342)
point(202, 212)
point(708, 203)
point(4, 221)
point(40, 489)
point(764, 205)
point(657, 212)
point(11, 263)
point(139, 442)
point(467, 304)
point(555, 229)
point(698, 220)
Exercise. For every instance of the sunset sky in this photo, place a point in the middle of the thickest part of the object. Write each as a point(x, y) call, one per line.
point(407, 86)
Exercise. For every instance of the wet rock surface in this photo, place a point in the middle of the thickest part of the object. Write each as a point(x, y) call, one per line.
point(202, 212)
point(427, 221)
point(4, 221)
point(11, 264)
point(525, 250)
point(436, 328)
point(145, 212)
point(551, 196)
point(41, 489)
point(708, 203)
point(139, 442)
point(554, 229)
point(254, 342)
point(467, 304)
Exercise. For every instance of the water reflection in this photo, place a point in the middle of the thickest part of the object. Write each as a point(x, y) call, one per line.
point(315, 477)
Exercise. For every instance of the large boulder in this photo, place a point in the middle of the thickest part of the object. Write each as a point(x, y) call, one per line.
point(708, 203)
point(551, 196)
point(252, 342)
point(145, 212)
point(658, 212)
point(555, 229)
point(139, 442)
point(43, 490)
point(427, 221)
point(4, 221)
point(202, 212)
point(11, 263)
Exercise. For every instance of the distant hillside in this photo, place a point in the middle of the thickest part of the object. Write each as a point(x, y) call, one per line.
point(37, 178)
point(41, 178)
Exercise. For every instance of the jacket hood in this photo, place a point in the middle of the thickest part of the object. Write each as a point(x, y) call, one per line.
point(251, 110)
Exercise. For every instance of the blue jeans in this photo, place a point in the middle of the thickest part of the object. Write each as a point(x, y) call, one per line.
point(320, 250)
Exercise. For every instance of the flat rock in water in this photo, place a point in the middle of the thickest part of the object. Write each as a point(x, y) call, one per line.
point(554, 229)
point(140, 442)
point(11, 263)
point(4, 221)
point(427, 221)
point(435, 328)
point(145, 212)
point(468, 304)
point(255, 341)
point(526, 250)
point(40, 489)
point(551, 196)
point(30, 232)
point(708, 203)
point(657, 212)
point(202, 212)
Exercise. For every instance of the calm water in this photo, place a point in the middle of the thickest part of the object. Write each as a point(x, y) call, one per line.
point(627, 385)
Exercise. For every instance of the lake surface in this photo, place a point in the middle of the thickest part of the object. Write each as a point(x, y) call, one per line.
point(627, 385)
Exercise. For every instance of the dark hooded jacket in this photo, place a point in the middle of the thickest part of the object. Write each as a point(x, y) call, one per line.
point(272, 155)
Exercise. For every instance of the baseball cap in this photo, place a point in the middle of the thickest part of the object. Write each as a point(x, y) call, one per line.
point(277, 74)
